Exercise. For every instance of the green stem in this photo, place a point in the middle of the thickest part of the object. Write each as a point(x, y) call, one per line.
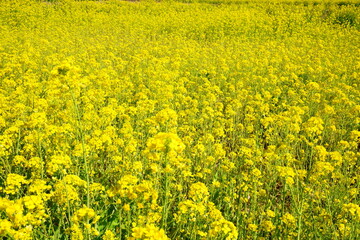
point(82, 136)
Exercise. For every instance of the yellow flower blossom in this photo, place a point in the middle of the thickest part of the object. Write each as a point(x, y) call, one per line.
point(108, 235)
point(199, 192)
point(148, 232)
point(288, 219)
point(14, 183)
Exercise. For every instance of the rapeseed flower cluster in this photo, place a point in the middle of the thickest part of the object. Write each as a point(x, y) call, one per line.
point(186, 119)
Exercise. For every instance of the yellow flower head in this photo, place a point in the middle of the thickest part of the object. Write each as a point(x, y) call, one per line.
point(199, 192)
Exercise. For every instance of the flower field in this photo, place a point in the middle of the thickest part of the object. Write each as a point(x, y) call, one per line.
point(189, 119)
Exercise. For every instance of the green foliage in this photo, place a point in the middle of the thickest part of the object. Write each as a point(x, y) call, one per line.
point(346, 18)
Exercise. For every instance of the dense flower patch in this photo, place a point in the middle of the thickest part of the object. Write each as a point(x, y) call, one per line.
point(179, 119)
